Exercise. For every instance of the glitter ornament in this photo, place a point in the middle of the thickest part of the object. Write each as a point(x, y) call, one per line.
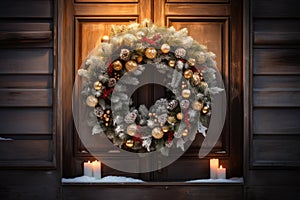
point(98, 111)
point(186, 93)
point(150, 52)
point(165, 48)
point(197, 105)
point(180, 53)
point(157, 133)
point(117, 65)
point(172, 104)
point(188, 74)
point(131, 129)
point(125, 54)
point(111, 82)
point(131, 65)
point(129, 143)
point(171, 63)
point(196, 79)
point(91, 101)
point(97, 85)
point(191, 62)
point(185, 104)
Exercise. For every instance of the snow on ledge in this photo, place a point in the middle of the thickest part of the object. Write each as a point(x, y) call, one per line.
point(231, 180)
point(122, 179)
point(5, 139)
point(107, 179)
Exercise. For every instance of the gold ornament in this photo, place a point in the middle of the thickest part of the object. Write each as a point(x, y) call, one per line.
point(165, 129)
point(131, 65)
point(191, 62)
point(165, 48)
point(91, 101)
point(150, 52)
point(185, 132)
point(117, 65)
point(129, 143)
point(188, 74)
point(172, 63)
point(205, 109)
point(196, 79)
point(203, 84)
point(171, 120)
point(139, 59)
point(157, 133)
point(106, 124)
point(197, 105)
point(97, 85)
point(186, 93)
point(179, 116)
point(132, 129)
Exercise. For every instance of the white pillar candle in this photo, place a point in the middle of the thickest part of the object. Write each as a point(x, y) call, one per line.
point(214, 164)
point(88, 169)
point(221, 173)
point(97, 169)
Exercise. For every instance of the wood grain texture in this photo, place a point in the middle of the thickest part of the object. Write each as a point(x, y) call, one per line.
point(275, 98)
point(106, 1)
point(197, 9)
point(281, 83)
point(25, 150)
point(25, 121)
point(105, 9)
point(198, 1)
point(26, 81)
point(23, 25)
point(26, 9)
point(147, 192)
point(276, 121)
point(276, 151)
point(276, 9)
point(26, 61)
point(276, 38)
point(276, 61)
point(25, 36)
point(26, 97)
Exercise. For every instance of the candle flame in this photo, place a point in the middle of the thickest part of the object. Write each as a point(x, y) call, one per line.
point(220, 166)
point(89, 161)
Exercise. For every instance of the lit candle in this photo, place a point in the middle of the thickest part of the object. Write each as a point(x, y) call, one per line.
point(214, 164)
point(88, 169)
point(97, 169)
point(105, 39)
point(221, 173)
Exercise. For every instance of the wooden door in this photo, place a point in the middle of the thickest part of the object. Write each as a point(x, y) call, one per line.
point(215, 23)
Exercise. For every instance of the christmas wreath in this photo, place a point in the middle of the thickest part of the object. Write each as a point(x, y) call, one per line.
point(145, 51)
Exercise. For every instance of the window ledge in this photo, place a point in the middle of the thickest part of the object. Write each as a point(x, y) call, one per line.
point(118, 180)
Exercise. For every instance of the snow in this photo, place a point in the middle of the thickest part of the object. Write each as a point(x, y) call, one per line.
point(231, 180)
point(5, 139)
point(107, 179)
point(122, 179)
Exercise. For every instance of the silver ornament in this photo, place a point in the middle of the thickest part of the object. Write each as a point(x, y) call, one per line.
point(112, 82)
point(130, 117)
point(185, 104)
point(98, 111)
point(125, 54)
point(180, 52)
point(172, 104)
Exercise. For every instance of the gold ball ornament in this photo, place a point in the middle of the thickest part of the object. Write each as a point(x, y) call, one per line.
point(97, 85)
point(150, 52)
point(117, 65)
point(203, 84)
point(139, 59)
point(172, 63)
point(188, 74)
point(165, 129)
point(131, 65)
point(196, 79)
point(205, 109)
point(129, 143)
point(191, 62)
point(165, 48)
point(132, 129)
point(91, 101)
point(186, 93)
point(197, 105)
point(179, 116)
point(157, 133)
point(185, 132)
point(171, 119)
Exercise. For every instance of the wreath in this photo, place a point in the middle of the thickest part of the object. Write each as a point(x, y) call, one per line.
point(134, 53)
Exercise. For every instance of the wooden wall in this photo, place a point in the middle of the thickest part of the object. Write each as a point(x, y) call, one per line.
point(30, 165)
point(274, 139)
point(27, 92)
